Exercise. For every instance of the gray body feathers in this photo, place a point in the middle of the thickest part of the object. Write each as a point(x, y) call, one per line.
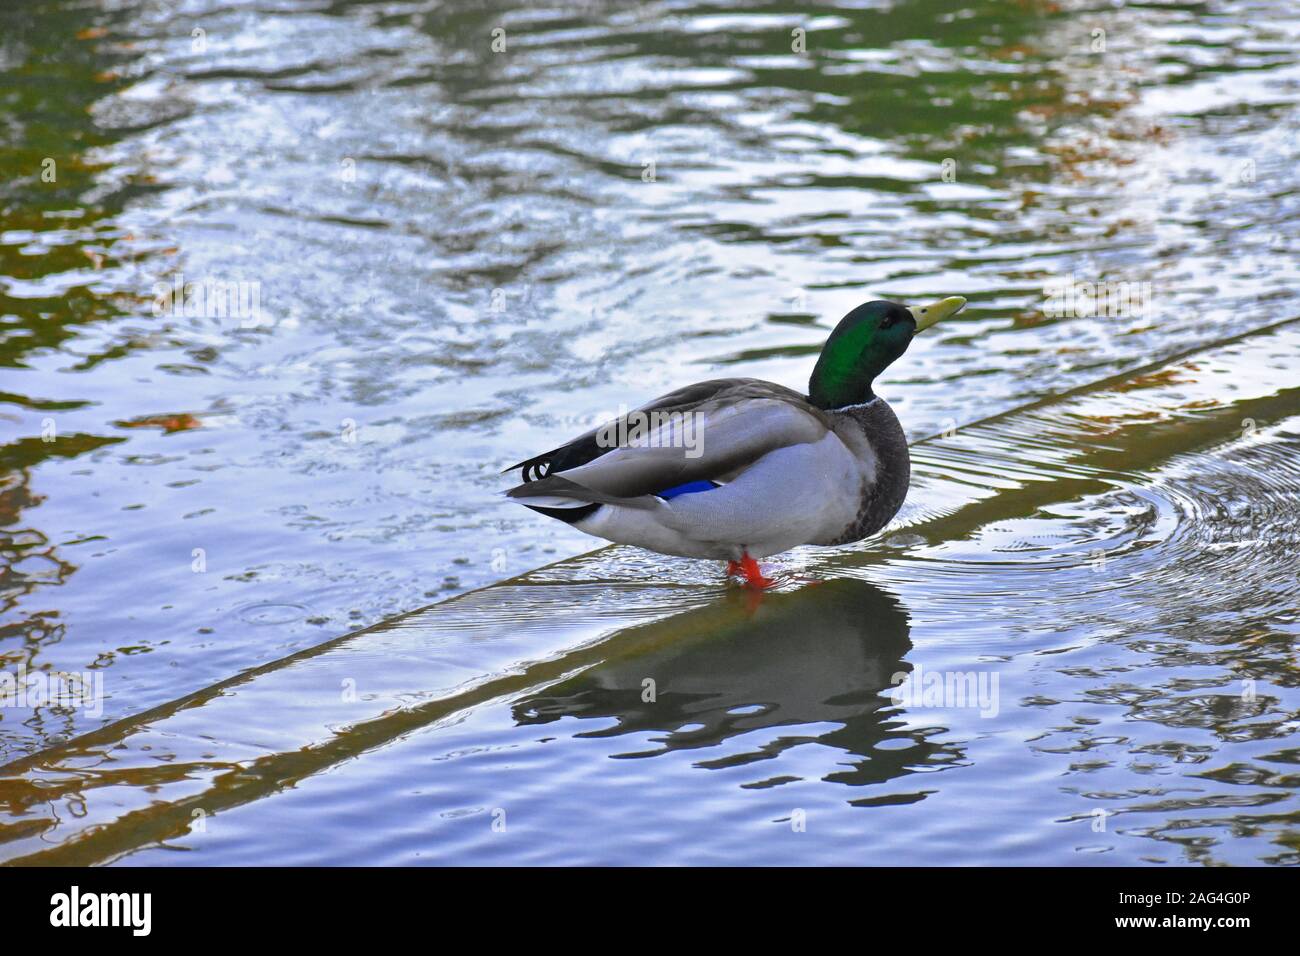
point(787, 473)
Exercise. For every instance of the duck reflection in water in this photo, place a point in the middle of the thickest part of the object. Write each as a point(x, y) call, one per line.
point(819, 661)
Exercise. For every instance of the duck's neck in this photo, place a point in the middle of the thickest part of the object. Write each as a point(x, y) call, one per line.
point(833, 394)
point(849, 362)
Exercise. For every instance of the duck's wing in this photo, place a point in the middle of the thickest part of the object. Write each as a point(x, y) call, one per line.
point(587, 446)
point(711, 431)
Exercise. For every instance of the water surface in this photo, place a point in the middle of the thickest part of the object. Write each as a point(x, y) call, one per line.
point(466, 256)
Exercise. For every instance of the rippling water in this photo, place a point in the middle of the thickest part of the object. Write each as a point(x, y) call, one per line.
point(464, 255)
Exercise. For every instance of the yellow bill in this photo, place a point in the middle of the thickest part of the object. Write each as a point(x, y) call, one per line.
point(928, 315)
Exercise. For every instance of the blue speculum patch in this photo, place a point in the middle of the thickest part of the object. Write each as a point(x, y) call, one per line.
point(687, 489)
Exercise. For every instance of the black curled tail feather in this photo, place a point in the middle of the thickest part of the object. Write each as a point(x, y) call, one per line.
point(577, 452)
point(534, 469)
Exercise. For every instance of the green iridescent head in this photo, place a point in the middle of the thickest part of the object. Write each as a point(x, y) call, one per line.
point(864, 344)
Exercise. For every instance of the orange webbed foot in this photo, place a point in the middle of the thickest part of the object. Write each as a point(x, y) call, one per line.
point(748, 570)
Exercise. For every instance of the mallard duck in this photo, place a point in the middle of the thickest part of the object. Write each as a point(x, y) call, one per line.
point(738, 469)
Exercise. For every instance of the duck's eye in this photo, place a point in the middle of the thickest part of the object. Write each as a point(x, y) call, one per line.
point(889, 320)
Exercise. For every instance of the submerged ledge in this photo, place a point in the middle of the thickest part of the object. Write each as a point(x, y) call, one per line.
point(153, 777)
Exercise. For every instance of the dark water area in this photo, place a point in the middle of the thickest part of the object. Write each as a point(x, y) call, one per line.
point(424, 259)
